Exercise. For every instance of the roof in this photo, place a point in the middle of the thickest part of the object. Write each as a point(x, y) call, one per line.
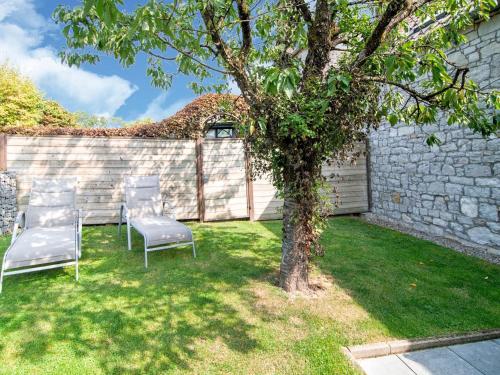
point(189, 122)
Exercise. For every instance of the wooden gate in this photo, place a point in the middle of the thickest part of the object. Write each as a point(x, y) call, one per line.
point(224, 180)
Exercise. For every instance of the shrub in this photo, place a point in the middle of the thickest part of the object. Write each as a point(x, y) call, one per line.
point(22, 104)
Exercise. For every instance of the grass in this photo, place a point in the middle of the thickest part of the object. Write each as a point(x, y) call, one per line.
point(221, 313)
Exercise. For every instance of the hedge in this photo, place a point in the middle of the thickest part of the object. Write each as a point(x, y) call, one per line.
point(189, 122)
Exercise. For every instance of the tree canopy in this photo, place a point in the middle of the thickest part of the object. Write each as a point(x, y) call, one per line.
point(269, 47)
point(23, 104)
point(315, 74)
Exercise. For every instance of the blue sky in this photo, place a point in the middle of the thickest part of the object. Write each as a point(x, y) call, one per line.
point(30, 40)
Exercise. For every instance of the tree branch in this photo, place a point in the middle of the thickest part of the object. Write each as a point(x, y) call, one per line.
point(395, 13)
point(304, 10)
point(246, 32)
point(236, 65)
point(190, 55)
point(319, 40)
point(160, 56)
point(213, 30)
point(426, 97)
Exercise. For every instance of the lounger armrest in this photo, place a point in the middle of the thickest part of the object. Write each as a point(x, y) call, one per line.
point(80, 220)
point(123, 210)
point(19, 223)
point(78, 229)
point(169, 210)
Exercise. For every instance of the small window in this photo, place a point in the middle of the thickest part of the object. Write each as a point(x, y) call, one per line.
point(211, 133)
point(224, 133)
point(221, 130)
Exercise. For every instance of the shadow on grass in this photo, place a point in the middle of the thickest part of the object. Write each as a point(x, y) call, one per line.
point(132, 319)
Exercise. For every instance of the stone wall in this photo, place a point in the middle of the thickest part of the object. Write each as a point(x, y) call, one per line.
point(451, 190)
point(7, 201)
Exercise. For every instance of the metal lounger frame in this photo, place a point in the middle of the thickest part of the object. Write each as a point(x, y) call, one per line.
point(123, 208)
point(78, 250)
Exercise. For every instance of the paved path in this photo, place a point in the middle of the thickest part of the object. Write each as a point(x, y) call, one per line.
point(478, 358)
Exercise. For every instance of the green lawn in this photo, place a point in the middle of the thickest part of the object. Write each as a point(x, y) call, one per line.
point(221, 313)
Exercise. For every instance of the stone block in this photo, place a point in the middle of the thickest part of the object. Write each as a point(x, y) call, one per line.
point(396, 197)
point(448, 170)
point(406, 130)
point(462, 180)
point(428, 204)
point(475, 191)
point(452, 188)
point(436, 231)
point(449, 146)
point(435, 168)
point(436, 188)
point(496, 169)
point(469, 207)
point(483, 236)
point(440, 203)
point(492, 182)
point(439, 222)
point(490, 49)
point(477, 170)
point(495, 193)
point(446, 216)
point(488, 211)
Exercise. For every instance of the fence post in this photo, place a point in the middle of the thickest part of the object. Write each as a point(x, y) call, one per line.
point(368, 173)
point(3, 152)
point(249, 178)
point(199, 179)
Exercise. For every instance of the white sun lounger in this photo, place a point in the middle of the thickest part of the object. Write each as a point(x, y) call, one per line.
point(143, 209)
point(51, 234)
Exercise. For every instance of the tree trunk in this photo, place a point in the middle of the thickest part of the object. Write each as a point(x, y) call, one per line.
point(294, 259)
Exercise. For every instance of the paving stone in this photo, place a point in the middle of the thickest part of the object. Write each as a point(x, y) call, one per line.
point(439, 361)
point(485, 355)
point(388, 365)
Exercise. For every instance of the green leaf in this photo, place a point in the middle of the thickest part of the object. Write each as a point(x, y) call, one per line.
point(433, 140)
point(393, 119)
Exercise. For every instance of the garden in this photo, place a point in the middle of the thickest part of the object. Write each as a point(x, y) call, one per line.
point(257, 276)
point(223, 311)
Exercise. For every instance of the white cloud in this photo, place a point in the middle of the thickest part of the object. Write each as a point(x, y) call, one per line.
point(21, 12)
point(160, 108)
point(21, 44)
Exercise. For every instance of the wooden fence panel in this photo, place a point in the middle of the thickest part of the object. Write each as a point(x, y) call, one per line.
point(101, 164)
point(350, 180)
point(224, 177)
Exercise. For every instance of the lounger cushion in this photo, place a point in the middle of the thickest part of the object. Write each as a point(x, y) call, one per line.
point(42, 245)
point(143, 196)
point(46, 217)
point(52, 203)
point(160, 230)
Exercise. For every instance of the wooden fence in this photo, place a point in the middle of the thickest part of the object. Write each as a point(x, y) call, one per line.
point(205, 179)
